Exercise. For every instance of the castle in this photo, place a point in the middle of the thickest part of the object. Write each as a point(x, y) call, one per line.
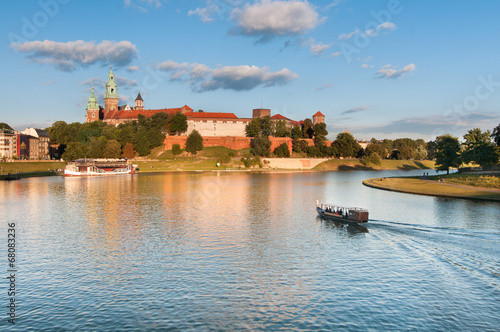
point(212, 126)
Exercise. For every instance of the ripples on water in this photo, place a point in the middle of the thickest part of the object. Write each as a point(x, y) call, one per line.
point(247, 251)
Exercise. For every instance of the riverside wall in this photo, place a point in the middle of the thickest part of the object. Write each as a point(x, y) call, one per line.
point(292, 163)
point(231, 142)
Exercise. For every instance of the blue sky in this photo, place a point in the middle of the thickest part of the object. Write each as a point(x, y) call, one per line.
point(383, 69)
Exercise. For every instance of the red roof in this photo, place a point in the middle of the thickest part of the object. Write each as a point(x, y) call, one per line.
point(318, 113)
point(134, 114)
point(279, 117)
point(210, 115)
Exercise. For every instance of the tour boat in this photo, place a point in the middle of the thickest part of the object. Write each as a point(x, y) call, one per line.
point(342, 213)
point(92, 167)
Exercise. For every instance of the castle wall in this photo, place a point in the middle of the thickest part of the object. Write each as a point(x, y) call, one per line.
point(235, 143)
point(225, 127)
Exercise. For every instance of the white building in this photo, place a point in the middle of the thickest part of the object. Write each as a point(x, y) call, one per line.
point(8, 144)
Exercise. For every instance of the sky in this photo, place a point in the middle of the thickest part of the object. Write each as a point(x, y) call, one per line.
point(383, 69)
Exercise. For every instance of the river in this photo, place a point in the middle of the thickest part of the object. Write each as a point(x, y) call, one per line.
point(243, 251)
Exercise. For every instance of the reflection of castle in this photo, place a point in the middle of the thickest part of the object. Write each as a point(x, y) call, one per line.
point(208, 124)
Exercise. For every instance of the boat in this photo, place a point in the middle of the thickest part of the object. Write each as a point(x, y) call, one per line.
point(97, 167)
point(342, 213)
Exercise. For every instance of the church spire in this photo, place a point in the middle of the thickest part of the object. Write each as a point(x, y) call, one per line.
point(111, 91)
point(92, 104)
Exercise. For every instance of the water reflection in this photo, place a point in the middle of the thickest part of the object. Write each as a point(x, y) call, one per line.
point(350, 227)
point(225, 251)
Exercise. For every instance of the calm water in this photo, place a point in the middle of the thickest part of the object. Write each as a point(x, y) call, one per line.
point(203, 251)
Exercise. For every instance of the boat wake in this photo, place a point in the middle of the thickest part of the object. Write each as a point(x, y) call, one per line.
point(456, 253)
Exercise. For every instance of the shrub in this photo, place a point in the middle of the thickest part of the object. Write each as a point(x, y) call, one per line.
point(176, 149)
point(282, 151)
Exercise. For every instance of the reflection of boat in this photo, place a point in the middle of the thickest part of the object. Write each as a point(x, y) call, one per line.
point(91, 167)
point(349, 226)
point(341, 213)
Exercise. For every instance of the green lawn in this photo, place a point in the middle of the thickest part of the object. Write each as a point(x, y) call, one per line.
point(27, 167)
point(355, 164)
point(428, 186)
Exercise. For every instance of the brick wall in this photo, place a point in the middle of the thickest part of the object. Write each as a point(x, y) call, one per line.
point(235, 143)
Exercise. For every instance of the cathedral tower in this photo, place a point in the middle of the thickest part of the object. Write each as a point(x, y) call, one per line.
point(92, 108)
point(111, 95)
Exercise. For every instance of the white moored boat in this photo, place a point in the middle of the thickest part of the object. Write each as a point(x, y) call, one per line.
point(92, 167)
point(342, 213)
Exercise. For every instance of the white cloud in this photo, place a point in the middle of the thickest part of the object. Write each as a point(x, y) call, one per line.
point(315, 48)
point(204, 13)
point(385, 26)
point(355, 110)
point(345, 36)
point(335, 54)
point(124, 82)
point(132, 68)
point(68, 56)
point(365, 65)
point(381, 27)
point(326, 86)
point(268, 19)
point(320, 48)
point(239, 78)
point(150, 3)
point(388, 72)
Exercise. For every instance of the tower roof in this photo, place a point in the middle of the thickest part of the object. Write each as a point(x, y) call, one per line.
point(139, 97)
point(92, 104)
point(111, 91)
point(318, 113)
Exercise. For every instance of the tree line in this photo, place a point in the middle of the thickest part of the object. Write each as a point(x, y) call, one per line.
point(479, 147)
point(100, 140)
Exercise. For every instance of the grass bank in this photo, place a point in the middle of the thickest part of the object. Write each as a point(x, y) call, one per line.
point(430, 186)
point(31, 166)
point(355, 164)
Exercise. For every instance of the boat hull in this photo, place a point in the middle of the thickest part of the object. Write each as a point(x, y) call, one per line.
point(352, 216)
point(99, 167)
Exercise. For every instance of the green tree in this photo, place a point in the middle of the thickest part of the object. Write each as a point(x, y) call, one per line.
point(447, 152)
point(280, 129)
point(431, 150)
point(372, 158)
point(375, 147)
point(194, 142)
point(495, 136)
point(128, 151)
point(253, 128)
point(346, 146)
point(97, 146)
point(177, 124)
point(388, 146)
point(296, 132)
point(260, 146)
point(282, 151)
point(406, 148)
point(113, 149)
point(75, 150)
point(260, 126)
point(320, 129)
point(307, 129)
point(479, 148)
point(176, 149)
point(141, 145)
